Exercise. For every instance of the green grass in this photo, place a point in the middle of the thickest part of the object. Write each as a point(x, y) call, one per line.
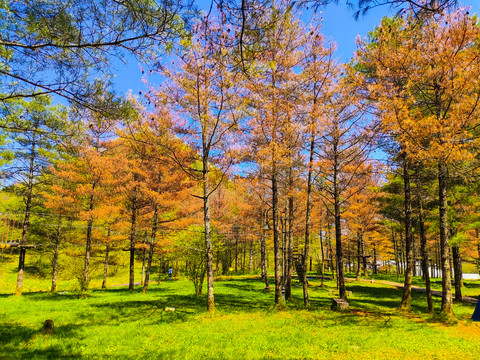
point(116, 324)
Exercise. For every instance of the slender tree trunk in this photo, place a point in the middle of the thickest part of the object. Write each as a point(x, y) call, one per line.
point(236, 248)
point(359, 255)
point(88, 244)
point(144, 259)
point(338, 243)
point(447, 307)
point(133, 230)
point(276, 240)
point(414, 256)
point(263, 250)
point(457, 264)
point(308, 220)
point(424, 254)
point(407, 287)
point(250, 258)
point(289, 264)
point(375, 259)
point(333, 263)
point(320, 236)
point(55, 255)
point(151, 248)
point(208, 235)
point(26, 218)
point(105, 264)
point(364, 258)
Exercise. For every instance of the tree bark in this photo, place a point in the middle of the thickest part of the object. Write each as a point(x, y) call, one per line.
point(308, 220)
point(150, 249)
point(323, 254)
point(359, 255)
point(105, 265)
point(133, 230)
point(457, 265)
point(250, 259)
point(276, 241)
point(424, 254)
point(289, 264)
point(338, 229)
point(447, 307)
point(208, 235)
point(26, 218)
point(407, 287)
point(55, 256)
point(88, 245)
point(144, 258)
point(263, 250)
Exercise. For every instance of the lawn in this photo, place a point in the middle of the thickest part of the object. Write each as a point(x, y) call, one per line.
point(117, 324)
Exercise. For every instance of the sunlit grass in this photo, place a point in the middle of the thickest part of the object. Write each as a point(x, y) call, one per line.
point(115, 323)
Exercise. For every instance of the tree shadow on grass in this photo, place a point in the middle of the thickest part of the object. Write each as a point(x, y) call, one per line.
point(50, 353)
point(14, 341)
point(150, 311)
point(45, 296)
point(12, 333)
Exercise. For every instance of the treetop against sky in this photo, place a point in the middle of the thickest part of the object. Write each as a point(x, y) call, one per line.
point(338, 26)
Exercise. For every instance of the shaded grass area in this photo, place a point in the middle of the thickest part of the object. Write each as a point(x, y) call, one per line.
point(116, 324)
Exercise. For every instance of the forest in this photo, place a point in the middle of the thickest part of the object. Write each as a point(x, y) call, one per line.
point(260, 153)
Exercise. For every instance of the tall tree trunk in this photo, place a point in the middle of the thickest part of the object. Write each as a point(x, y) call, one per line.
point(235, 231)
point(359, 255)
point(407, 287)
point(26, 218)
point(414, 256)
point(151, 248)
point(338, 223)
point(322, 252)
point(289, 264)
point(333, 264)
point(338, 243)
point(208, 236)
point(276, 240)
point(308, 220)
point(457, 265)
point(375, 259)
point(424, 254)
point(144, 258)
point(447, 307)
point(55, 255)
point(105, 265)
point(263, 250)
point(250, 258)
point(133, 230)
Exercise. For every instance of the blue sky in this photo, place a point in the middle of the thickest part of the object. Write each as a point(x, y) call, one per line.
point(338, 26)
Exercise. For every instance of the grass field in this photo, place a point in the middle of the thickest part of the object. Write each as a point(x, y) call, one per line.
point(116, 324)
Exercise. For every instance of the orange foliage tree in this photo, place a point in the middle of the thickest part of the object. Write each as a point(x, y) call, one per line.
point(425, 78)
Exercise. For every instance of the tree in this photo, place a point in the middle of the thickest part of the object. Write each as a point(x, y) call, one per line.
point(63, 48)
point(35, 129)
point(203, 91)
point(88, 180)
point(150, 140)
point(273, 89)
point(343, 151)
point(427, 89)
point(318, 72)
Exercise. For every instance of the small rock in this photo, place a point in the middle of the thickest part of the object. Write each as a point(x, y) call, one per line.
point(169, 309)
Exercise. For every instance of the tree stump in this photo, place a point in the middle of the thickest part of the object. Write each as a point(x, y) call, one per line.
point(339, 305)
point(48, 327)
